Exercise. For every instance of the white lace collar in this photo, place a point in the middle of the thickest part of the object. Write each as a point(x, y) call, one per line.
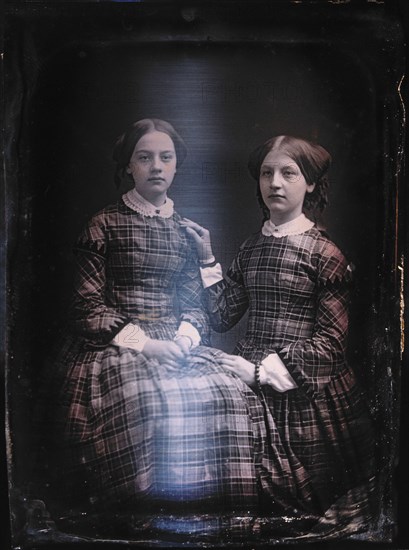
point(294, 227)
point(139, 204)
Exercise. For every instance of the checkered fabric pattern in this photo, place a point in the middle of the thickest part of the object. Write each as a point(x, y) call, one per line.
point(129, 269)
point(147, 433)
point(131, 430)
point(296, 291)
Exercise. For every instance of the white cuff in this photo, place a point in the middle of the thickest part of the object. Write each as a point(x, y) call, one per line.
point(274, 373)
point(211, 275)
point(187, 329)
point(131, 336)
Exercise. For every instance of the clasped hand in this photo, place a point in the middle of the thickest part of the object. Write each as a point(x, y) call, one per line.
point(170, 353)
point(240, 366)
point(166, 351)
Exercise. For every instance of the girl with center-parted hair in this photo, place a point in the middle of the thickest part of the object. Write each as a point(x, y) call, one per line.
point(294, 282)
point(146, 417)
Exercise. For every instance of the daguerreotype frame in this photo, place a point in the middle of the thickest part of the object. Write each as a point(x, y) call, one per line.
point(228, 75)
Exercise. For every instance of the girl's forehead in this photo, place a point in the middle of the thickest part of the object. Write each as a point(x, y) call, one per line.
point(277, 156)
point(155, 140)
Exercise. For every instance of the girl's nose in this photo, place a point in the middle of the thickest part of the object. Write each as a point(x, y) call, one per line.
point(275, 180)
point(156, 164)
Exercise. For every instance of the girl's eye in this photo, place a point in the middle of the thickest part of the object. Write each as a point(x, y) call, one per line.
point(167, 158)
point(266, 173)
point(290, 174)
point(143, 158)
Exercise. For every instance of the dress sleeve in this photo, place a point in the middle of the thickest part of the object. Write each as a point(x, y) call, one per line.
point(315, 361)
point(90, 315)
point(189, 291)
point(227, 300)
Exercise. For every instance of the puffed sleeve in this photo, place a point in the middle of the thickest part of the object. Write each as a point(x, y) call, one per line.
point(227, 300)
point(315, 361)
point(189, 291)
point(90, 316)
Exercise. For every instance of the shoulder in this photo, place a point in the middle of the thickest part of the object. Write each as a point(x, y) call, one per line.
point(331, 262)
point(250, 241)
point(325, 247)
point(109, 216)
point(96, 228)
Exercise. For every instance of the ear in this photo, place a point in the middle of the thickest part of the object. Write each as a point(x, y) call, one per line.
point(310, 187)
point(128, 170)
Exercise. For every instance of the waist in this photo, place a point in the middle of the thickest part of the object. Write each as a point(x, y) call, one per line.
point(153, 317)
point(144, 308)
point(279, 330)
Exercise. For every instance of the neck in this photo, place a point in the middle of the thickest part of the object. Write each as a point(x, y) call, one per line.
point(278, 219)
point(156, 200)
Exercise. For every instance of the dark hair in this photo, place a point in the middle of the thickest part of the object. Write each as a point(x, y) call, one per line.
point(125, 144)
point(312, 159)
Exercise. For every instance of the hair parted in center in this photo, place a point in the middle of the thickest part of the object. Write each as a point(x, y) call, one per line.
point(313, 160)
point(125, 145)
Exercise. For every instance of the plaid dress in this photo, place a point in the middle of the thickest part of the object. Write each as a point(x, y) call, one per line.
point(128, 429)
point(296, 290)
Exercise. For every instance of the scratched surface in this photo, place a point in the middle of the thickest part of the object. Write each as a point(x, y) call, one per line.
point(227, 78)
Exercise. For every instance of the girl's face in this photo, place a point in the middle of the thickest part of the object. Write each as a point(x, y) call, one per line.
point(153, 166)
point(282, 186)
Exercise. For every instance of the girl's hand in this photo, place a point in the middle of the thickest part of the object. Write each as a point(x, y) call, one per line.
point(185, 343)
point(201, 236)
point(164, 351)
point(243, 368)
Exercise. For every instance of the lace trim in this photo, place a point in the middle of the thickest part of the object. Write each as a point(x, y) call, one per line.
point(136, 202)
point(294, 227)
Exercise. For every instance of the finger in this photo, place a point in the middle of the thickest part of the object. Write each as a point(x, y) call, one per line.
point(190, 223)
point(199, 236)
point(228, 364)
point(228, 367)
point(169, 356)
point(172, 364)
point(194, 233)
point(228, 356)
point(228, 361)
point(185, 347)
point(176, 353)
point(193, 225)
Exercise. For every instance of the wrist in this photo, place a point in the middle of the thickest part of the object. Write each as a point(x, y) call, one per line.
point(257, 381)
point(147, 344)
point(180, 336)
point(206, 262)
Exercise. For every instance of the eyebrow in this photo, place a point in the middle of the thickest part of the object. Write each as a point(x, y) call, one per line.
point(149, 151)
point(273, 164)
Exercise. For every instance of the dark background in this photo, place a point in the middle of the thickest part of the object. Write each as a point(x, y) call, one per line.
point(227, 76)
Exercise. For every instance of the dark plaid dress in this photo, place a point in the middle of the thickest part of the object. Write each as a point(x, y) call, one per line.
point(133, 430)
point(295, 289)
